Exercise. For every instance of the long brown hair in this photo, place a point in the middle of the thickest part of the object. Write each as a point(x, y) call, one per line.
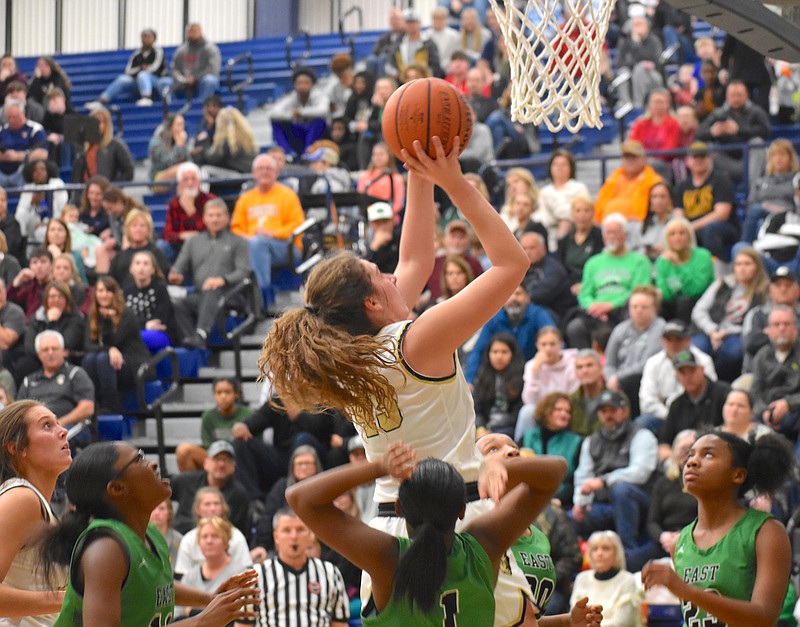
point(118, 303)
point(102, 182)
point(325, 355)
point(14, 431)
point(67, 239)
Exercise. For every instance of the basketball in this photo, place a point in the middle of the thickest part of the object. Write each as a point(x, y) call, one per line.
point(422, 109)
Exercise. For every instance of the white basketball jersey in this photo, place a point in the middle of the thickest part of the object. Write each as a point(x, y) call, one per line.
point(435, 415)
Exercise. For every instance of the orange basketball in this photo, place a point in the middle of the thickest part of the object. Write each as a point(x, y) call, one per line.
point(422, 109)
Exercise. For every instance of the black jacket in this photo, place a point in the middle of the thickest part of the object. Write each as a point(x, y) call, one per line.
point(686, 414)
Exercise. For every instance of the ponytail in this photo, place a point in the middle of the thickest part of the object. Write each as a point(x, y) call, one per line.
point(57, 543)
point(431, 500)
point(768, 460)
point(87, 484)
point(422, 569)
point(770, 465)
point(325, 355)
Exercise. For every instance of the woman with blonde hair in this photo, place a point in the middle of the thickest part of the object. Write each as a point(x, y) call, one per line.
point(33, 453)
point(720, 311)
point(683, 271)
point(109, 157)
point(65, 270)
point(608, 583)
point(209, 502)
point(139, 237)
point(58, 240)
point(518, 181)
point(213, 537)
point(354, 345)
point(774, 192)
point(233, 149)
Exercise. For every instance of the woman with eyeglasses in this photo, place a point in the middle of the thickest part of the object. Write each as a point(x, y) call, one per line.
point(34, 453)
point(119, 571)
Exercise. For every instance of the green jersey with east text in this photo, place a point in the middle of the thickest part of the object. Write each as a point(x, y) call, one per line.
point(727, 568)
point(148, 592)
point(532, 554)
point(466, 597)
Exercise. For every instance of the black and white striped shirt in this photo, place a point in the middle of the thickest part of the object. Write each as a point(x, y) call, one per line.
point(311, 597)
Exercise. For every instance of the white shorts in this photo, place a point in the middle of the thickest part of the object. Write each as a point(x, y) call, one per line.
point(511, 589)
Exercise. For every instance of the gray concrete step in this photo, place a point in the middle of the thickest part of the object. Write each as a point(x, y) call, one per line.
point(226, 359)
point(195, 393)
point(249, 372)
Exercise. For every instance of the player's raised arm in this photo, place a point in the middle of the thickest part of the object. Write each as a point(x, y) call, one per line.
point(446, 326)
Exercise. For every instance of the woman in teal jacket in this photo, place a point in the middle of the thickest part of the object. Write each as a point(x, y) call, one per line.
point(552, 436)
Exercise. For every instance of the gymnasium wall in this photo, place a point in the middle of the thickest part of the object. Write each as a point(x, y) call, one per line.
point(35, 27)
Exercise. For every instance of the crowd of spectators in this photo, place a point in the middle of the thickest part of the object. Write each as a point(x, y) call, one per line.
point(648, 314)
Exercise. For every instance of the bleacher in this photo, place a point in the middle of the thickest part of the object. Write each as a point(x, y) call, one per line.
point(92, 72)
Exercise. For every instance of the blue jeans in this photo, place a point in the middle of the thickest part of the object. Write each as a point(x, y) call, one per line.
point(525, 421)
point(202, 89)
point(145, 84)
point(265, 254)
point(652, 423)
point(753, 219)
point(727, 359)
point(718, 237)
point(109, 384)
point(15, 179)
point(501, 126)
point(626, 513)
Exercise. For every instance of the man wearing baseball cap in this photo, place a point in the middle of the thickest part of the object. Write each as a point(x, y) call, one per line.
point(613, 479)
point(783, 290)
point(627, 189)
point(456, 241)
point(384, 237)
point(706, 199)
point(699, 406)
point(218, 470)
point(659, 384)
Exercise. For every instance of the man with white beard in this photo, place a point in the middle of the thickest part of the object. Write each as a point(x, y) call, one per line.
point(608, 282)
point(184, 211)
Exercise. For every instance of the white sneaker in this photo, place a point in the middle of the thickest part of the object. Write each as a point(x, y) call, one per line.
point(144, 102)
point(95, 104)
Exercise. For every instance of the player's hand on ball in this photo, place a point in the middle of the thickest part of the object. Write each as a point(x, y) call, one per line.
point(400, 460)
point(444, 170)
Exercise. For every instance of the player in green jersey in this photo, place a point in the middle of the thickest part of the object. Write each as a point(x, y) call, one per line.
point(119, 572)
point(439, 577)
point(532, 554)
point(732, 563)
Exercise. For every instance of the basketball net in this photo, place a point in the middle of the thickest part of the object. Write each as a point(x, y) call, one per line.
point(554, 49)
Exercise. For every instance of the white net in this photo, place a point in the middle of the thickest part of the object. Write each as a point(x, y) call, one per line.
point(554, 49)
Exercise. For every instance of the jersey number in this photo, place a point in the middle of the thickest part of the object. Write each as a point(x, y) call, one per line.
point(159, 621)
point(542, 590)
point(386, 422)
point(449, 603)
point(691, 611)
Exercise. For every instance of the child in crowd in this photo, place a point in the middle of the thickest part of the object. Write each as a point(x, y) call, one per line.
point(146, 295)
point(215, 424)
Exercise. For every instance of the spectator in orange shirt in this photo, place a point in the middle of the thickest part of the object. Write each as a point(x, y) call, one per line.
point(266, 216)
point(627, 190)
